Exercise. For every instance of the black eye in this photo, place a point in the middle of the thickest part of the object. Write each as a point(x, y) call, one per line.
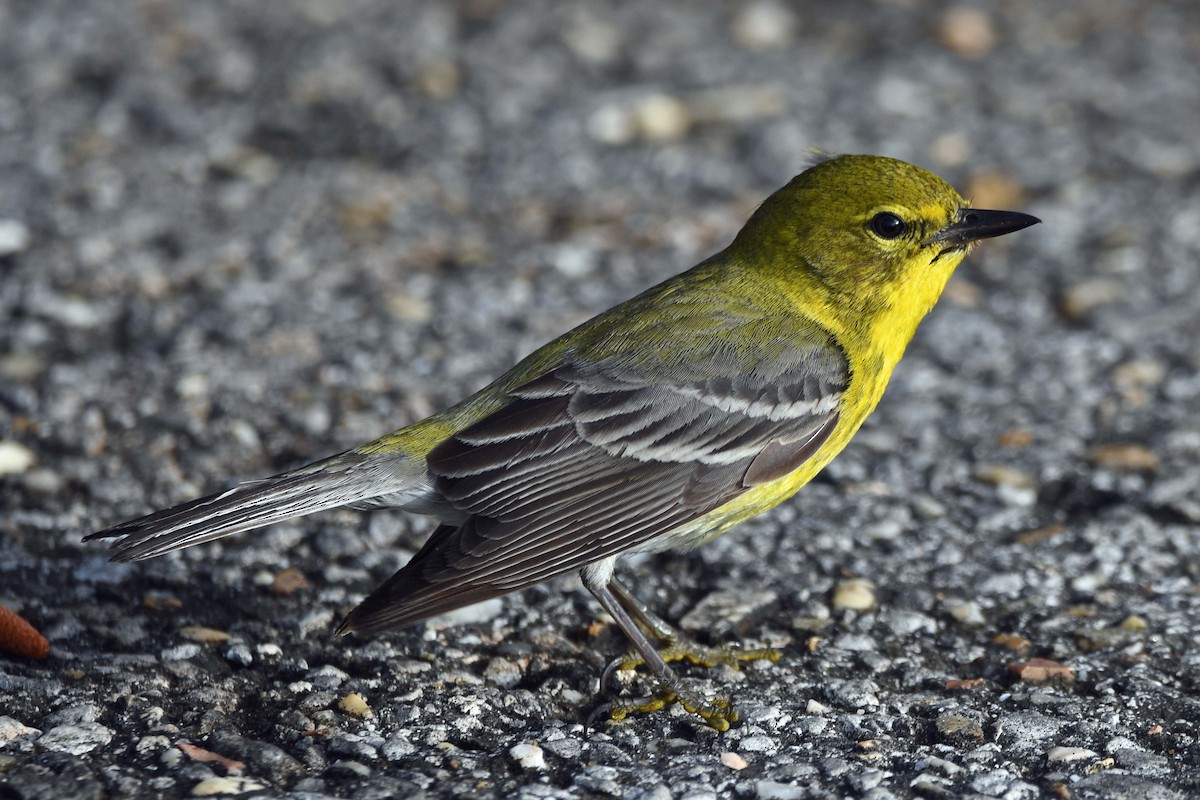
point(887, 225)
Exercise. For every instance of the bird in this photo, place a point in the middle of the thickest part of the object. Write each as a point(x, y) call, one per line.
point(659, 424)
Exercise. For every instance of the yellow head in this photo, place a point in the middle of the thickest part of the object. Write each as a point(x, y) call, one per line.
point(870, 240)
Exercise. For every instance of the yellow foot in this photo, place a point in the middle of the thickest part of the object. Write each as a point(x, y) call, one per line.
point(718, 713)
point(697, 654)
point(638, 623)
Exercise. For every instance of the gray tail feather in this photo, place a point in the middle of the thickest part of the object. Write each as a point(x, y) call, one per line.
point(337, 481)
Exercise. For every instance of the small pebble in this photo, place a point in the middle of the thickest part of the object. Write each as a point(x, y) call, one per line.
point(662, 118)
point(355, 705)
point(943, 766)
point(1015, 437)
point(205, 756)
point(503, 673)
point(180, 652)
point(150, 744)
point(1123, 457)
point(994, 190)
point(352, 747)
point(528, 755)
point(959, 730)
point(197, 633)
point(763, 25)
point(1001, 475)
point(409, 307)
point(1040, 534)
point(1133, 628)
point(13, 729)
point(21, 367)
point(967, 612)
point(1039, 670)
point(1014, 486)
point(857, 594)
point(1135, 378)
point(77, 739)
point(593, 40)
point(14, 237)
point(440, 80)
point(612, 125)
point(230, 785)
point(19, 638)
point(950, 149)
point(1087, 296)
point(44, 481)
point(288, 581)
point(815, 707)
point(733, 761)
point(1018, 644)
point(740, 104)
point(240, 655)
point(326, 676)
point(969, 32)
point(1069, 754)
point(773, 790)
point(350, 769)
point(396, 749)
point(758, 744)
point(15, 458)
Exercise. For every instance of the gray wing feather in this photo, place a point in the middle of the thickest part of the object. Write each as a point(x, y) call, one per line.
point(594, 459)
point(345, 479)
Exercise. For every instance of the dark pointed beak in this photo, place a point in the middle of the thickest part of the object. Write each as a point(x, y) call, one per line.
point(974, 224)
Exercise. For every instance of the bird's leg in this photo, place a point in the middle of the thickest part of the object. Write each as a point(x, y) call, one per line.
point(717, 713)
point(675, 646)
point(639, 624)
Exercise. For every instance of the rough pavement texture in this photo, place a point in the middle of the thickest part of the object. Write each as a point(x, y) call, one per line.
point(238, 236)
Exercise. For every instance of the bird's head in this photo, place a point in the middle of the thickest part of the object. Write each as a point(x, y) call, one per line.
point(871, 232)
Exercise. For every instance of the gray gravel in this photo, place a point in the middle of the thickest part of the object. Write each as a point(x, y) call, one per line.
point(238, 236)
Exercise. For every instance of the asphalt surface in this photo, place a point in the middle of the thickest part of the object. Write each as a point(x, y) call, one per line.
point(235, 237)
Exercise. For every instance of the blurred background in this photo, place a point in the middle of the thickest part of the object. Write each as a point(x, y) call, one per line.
point(235, 237)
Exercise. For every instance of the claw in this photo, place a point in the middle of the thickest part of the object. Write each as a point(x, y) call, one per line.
point(617, 664)
point(598, 714)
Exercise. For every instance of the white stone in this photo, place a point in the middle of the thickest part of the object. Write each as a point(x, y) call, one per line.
point(77, 739)
point(1068, 754)
point(772, 790)
point(215, 786)
point(13, 729)
point(15, 458)
point(528, 755)
point(14, 236)
point(180, 652)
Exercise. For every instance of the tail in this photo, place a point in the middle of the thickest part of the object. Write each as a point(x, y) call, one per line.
point(347, 479)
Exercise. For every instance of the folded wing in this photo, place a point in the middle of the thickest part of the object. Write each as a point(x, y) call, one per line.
point(594, 459)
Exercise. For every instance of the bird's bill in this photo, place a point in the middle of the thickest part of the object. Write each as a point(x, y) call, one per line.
point(973, 224)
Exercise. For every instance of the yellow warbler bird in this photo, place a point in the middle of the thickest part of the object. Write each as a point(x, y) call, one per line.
point(660, 423)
